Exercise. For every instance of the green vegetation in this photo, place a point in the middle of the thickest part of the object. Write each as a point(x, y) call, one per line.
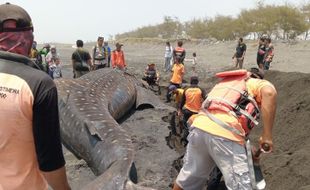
point(281, 22)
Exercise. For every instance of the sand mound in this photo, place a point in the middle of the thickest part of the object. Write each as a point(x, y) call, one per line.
point(289, 166)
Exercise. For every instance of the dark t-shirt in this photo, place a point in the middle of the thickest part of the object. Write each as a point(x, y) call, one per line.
point(45, 119)
point(240, 49)
point(79, 54)
point(260, 54)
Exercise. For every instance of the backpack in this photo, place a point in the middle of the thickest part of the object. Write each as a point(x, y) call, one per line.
point(97, 55)
point(230, 95)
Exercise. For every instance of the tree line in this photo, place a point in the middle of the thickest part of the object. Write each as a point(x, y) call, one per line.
point(280, 22)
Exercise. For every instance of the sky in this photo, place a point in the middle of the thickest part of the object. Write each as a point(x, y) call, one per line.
point(65, 21)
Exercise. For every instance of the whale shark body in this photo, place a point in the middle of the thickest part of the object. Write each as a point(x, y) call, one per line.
point(89, 108)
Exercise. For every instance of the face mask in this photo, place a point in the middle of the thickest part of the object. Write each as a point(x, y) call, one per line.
point(16, 42)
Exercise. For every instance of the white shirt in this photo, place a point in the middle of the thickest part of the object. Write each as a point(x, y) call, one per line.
point(168, 52)
point(194, 61)
point(56, 71)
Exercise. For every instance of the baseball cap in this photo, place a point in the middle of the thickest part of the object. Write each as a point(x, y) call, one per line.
point(172, 87)
point(118, 44)
point(22, 19)
point(257, 73)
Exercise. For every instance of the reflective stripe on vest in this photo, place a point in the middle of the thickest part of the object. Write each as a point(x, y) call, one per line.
point(179, 51)
point(99, 53)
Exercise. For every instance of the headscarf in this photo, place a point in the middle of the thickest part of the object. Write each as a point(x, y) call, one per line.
point(18, 42)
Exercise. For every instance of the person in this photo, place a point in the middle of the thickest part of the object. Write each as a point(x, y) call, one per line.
point(268, 54)
point(261, 52)
point(168, 57)
point(99, 54)
point(118, 58)
point(108, 53)
point(81, 60)
point(151, 76)
point(218, 133)
point(55, 69)
point(177, 94)
point(238, 56)
point(177, 76)
point(191, 101)
point(179, 52)
point(31, 155)
point(194, 62)
point(43, 53)
point(34, 51)
point(50, 58)
point(35, 56)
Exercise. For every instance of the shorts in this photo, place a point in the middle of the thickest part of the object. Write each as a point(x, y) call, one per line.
point(204, 152)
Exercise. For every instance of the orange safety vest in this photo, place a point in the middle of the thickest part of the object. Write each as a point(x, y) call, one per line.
point(118, 59)
point(179, 51)
point(193, 99)
point(230, 95)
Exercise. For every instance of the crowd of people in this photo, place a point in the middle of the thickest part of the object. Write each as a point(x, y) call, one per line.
point(214, 131)
point(216, 125)
point(83, 62)
point(265, 53)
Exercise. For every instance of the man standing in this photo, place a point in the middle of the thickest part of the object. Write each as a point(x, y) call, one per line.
point(35, 56)
point(218, 135)
point(268, 54)
point(261, 51)
point(99, 54)
point(179, 52)
point(31, 154)
point(168, 57)
point(81, 60)
point(108, 53)
point(34, 51)
point(118, 58)
point(43, 52)
point(238, 57)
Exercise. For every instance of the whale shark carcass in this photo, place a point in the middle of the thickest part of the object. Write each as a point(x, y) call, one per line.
point(89, 108)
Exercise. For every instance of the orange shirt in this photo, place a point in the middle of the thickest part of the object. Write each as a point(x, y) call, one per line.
point(202, 122)
point(18, 161)
point(118, 59)
point(178, 72)
point(193, 99)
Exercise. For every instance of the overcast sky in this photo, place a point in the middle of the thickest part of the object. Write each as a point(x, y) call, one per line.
point(68, 20)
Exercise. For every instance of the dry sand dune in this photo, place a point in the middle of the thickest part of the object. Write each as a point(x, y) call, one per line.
point(288, 167)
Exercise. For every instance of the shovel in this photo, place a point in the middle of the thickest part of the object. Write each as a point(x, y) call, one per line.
point(256, 174)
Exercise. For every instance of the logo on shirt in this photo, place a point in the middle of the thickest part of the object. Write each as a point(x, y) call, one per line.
point(4, 90)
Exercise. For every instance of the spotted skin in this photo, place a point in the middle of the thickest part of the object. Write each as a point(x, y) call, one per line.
point(89, 107)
